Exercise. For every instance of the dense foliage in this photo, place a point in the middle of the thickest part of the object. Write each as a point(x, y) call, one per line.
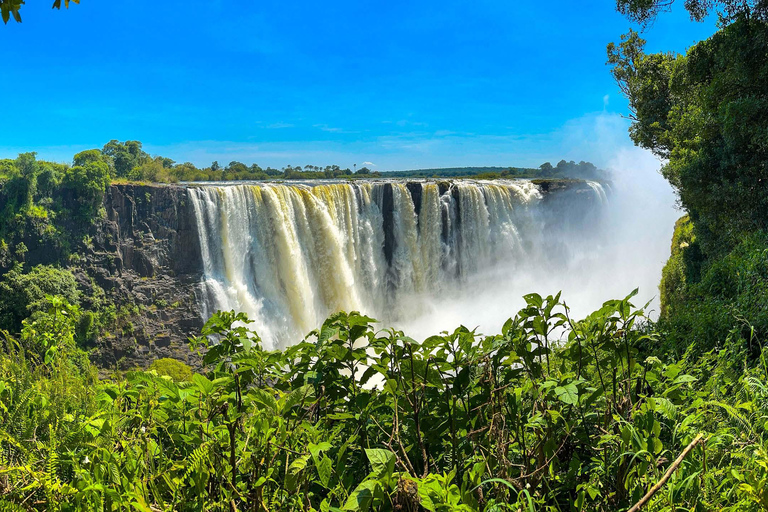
point(45, 204)
point(645, 11)
point(706, 113)
point(703, 300)
point(355, 419)
point(25, 293)
point(127, 161)
point(551, 414)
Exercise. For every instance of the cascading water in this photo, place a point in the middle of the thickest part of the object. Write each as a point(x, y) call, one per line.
point(290, 255)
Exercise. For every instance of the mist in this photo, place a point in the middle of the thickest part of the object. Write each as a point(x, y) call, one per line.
point(625, 247)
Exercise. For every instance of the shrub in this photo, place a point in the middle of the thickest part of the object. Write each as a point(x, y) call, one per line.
point(24, 293)
point(704, 300)
point(178, 371)
point(358, 419)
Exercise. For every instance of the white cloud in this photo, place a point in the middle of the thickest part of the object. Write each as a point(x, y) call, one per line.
point(332, 129)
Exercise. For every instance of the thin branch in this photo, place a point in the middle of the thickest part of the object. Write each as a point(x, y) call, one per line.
point(645, 499)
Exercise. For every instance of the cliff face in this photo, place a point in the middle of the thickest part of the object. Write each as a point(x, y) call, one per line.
point(155, 229)
point(145, 255)
point(141, 265)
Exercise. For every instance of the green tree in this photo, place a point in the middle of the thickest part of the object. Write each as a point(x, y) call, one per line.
point(645, 11)
point(125, 155)
point(87, 184)
point(19, 189)
point(89, 155)
point(706, 113)
point(48, 179)
point(167, 163)
point(235, 167)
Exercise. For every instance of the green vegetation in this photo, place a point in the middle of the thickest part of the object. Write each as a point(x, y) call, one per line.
point(705, 300)
point(551, 414)
point(355, 419)
point(645, 11)
point(176, 370)
point(705, 112)
point(87, 185)
point(46, 204)
point(25, 293)
point(563, 169)
point(128, 162)
point(46, 213)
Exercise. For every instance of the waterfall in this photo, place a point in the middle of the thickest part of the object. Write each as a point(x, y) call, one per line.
point(289, 255)
point(599, 191)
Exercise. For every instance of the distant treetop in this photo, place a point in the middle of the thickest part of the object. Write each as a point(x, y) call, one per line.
point(127, 161)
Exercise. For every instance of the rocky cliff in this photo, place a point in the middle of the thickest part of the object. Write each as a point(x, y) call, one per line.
point(145, 255)
point(139, 265)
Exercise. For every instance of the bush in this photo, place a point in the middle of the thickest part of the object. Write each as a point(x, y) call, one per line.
point(704, 300)
point(354, 418)
point(87, 184)
point(85, 330)
point(24, 293)
point(673, 280)
point(174, 369)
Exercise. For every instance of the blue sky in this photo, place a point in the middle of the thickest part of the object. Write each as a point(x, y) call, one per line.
point(401, 84)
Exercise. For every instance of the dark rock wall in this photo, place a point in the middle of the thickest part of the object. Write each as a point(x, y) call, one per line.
point(155, 227)
point(145, 255)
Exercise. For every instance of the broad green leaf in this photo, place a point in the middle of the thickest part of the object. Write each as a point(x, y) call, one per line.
point(325, 471)
point(382, 461)
point(361, 498)
point(568, 394)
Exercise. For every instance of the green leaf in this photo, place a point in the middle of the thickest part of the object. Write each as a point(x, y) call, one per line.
point(382, 462)
point(317, 449)
point(325, 471)
point(568, 394)
point(264, 398)
point(203, 383)
point(298, 465)
point(682, 379)
point(362, 496)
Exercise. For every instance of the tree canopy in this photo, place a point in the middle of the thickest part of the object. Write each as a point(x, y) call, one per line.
point(707, 113)
point(10, 8)
point(645, 11)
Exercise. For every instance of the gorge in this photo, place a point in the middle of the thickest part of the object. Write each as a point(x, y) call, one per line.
point(418, 255)
point(290, 255)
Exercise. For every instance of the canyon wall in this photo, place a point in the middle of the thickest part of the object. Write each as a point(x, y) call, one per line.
point(142, 261)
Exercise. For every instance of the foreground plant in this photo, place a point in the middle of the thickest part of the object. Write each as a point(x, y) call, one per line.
point(358, 419)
